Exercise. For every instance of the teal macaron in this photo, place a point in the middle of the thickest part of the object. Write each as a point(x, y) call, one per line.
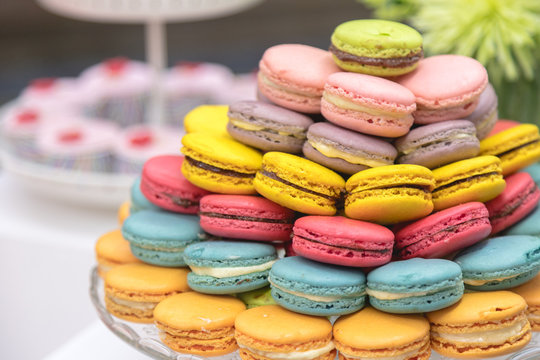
point(500, 263)
point(160, 237)
point(314, 288)
point(534, 171)
point(528, 226)
point(138, 200)
point(415, 285)
point(228, 267)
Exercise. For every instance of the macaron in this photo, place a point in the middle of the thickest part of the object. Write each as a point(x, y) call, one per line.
point(342, 241)
point(501, 125)
point(208, 119)
point(219, 164)
point(133, 290)
point(534, 171)
point(199, 324)
point(446, 87)
point(376, 47)
point(438, 144)
point(159, 237)
point(267, 127)
point(517, 147)
point(443, 232)
point(475, 179)
point(258, 297)
point(500, 263)
point(373, 334)
point(245, 217)
point(344, 150)
point(309, 287)
point(519, 199)
point(486, 114)
point(481, 325)
point(113, 250)
point(390, 194)
point(164, 185)
point(530, 291)
point(227, 267)
point(415, 285)
point(527, 226)
point(368, 104)
point(272, 332)
point(293, 76)
point(123, 212)
point(137, 199)
point(299, 184)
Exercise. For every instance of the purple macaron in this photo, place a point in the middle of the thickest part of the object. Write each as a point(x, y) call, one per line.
point(267, 127)
point(346, 151)
point(485, 115)
point(438, 144)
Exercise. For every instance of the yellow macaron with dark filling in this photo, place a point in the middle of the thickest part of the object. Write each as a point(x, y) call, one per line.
point(530, 291)
point(475, 179)
point(220, 164)
point(113, 250)
point(208, 119)
point(517, 147)
point(299, 184)
point(133, 290)
point(272, 332)
point(480, 325)
point(199, 324)
point(390, 194)
point(373, 334)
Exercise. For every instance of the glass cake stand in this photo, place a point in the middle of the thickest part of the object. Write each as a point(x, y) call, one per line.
point(145, 337)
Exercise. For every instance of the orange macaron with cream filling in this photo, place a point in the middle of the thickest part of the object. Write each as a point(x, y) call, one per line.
point(113, 250)
point(199, 324)
point(272, 332)
point(530, 291)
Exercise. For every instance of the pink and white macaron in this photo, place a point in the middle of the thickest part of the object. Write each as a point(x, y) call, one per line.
point(368, 104)
point(447, 87)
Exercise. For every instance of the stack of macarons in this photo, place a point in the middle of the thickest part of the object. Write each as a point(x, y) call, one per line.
point(386, 204)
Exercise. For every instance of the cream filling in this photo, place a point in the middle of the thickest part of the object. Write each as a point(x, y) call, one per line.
point(134, 304)
point(498, 336)
point(252, 127)
point(534, 317)
point(335, 153)
point(349, 105)
point(269, 82)
point(312, 297)
point(476, 282)
point(383, 295)
point(452, 138)
point(295, 355)
point(223, 272)
point(404, 356)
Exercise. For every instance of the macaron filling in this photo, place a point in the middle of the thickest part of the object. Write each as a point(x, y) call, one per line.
point(467, 179)
point(504, 153)
point(223, 272)
point(311, 93)
point(244, 218)
point(139, 305)
point(393, 62)
point(387, 294)
point(317, 298)
point(294, 355)
point(412, 354)
point(298, 133)
point(493, 336)
point(354, 156)
point(515, 203)
point(330, 95)
point(216, 169)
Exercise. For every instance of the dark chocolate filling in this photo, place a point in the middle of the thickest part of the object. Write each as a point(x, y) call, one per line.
point(409, 186)
point(245, 218)
point(272, 175)
point(517, 148)
point(181, 202)
point(510, 208)
point(383, 251)
point(217, 170)
point(465, 180)
point(399, 62)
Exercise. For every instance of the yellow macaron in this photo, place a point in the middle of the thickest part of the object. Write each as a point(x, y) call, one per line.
point(530, 291)
point(113, 250)
point(272, 332)
point(299, 184)
point(220, 164)
point(208, 119)
point(123, 212)
point(390, 194)
point(198, 324)
point(133, 290)
point(482, 324)
point(517, 147)
point(475, 179)
point(370, 334)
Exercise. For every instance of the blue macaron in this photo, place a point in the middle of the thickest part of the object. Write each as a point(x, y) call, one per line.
point(160, 237)
point(228, 267)
point(414, 286)
point(314, 288)
point(500, 263)
point(534, 171)
point(138, 200)
point(528, 226)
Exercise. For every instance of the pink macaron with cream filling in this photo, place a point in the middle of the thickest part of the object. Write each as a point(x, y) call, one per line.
point(368, 104)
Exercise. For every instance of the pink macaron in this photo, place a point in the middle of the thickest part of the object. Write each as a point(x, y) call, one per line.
point(293, 76)
point(163, 184)
point(368, 104)
point(447, 87)
point(342, 241)
point(245, 217)
point(519, 198)
point(443, 232)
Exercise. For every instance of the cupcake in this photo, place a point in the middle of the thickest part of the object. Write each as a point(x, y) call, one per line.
point(51, 95)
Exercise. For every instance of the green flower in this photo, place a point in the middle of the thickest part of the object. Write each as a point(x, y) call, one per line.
point(393, 9)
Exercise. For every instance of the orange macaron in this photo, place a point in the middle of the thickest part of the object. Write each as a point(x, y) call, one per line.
point(530, 291)
point(123, 212)
point(113, 250)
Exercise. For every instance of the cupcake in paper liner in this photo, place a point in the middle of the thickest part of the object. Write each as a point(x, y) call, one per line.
point(51, 95)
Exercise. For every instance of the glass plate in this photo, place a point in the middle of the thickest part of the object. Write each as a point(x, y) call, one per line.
point(145, 337)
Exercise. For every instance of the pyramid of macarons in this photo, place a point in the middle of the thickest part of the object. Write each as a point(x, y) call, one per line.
point(363, 184)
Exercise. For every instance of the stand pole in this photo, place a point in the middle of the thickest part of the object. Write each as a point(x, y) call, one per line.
point(156, 55)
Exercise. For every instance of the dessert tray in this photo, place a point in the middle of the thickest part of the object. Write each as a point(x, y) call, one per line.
point(145, 337)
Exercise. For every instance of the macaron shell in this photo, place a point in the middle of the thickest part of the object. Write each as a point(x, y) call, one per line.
point(333, 163)
point(208, 119)
point(527, 226)
point(485, 115)
point(123, 212)
point(113, 250)
point(501, 125)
